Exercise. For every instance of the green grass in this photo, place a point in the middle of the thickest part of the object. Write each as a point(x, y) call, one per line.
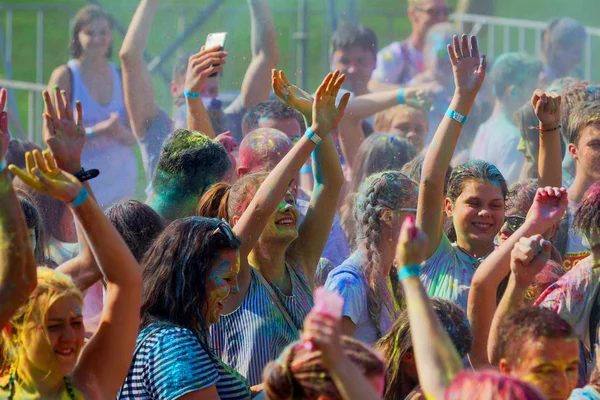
point(234, 18)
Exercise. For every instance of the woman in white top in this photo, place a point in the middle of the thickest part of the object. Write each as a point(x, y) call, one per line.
point(90, 78)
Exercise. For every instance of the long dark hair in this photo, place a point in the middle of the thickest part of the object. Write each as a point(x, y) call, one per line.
point(137, 223)
point(175, 272)
point(83, 17)
point(34, 221)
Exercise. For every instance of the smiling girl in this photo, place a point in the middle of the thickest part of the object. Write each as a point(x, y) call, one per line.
point(476, 190)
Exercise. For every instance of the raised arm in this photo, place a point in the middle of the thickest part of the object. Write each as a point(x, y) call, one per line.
point(527, 258)
point(315, 229)
point(105, 360)
point(63, 134)
point(18, 275)
point(469, 72)
point(324, 331)
point(326, 116)
point(138, 90)
point(370, 104)
point(265, 54)
point(436, 357)
point(200, 66)
point(547, 109)
point(548, 207)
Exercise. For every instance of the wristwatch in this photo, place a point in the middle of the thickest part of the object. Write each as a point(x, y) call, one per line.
point(84, 175)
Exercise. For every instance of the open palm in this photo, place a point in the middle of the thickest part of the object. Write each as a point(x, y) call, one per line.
point(64, 132)
point(42, 174)
point(292, 95)
point(326, 116)
point(468, 66)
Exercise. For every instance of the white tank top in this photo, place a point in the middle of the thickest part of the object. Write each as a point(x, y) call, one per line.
point(116, 161)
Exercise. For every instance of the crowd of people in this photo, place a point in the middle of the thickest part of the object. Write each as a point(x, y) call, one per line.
point(447, 211)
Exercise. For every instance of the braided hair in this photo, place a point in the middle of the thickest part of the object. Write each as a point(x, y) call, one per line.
point(389, 190)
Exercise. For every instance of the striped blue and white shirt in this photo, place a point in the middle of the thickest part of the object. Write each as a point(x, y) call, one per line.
point(170, 362)
point(256, 333)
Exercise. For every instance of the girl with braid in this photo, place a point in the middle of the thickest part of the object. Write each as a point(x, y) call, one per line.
point(368, 279)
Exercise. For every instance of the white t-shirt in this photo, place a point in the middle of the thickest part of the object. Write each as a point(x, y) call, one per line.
point(448, 272)
point(349, 281)
point(496, 142)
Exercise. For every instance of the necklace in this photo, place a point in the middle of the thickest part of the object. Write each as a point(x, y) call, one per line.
point(13, 378)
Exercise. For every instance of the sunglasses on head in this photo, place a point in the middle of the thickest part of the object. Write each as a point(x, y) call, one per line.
point(225, 229)
point(514, 222)
point(437, 11)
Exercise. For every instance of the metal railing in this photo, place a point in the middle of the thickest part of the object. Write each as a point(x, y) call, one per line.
point(304, 47)
point(33, 92)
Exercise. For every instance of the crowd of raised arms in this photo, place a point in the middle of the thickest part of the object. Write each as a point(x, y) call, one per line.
point(446, 211)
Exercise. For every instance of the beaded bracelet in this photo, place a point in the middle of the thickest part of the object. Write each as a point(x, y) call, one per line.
point(81, 197)
point(409, 271)
point(538, 128)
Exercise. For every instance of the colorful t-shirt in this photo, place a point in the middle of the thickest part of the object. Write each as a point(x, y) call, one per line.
point(449, 271)
point(170, 362)
point(350, 282)
point(576, 249)
point(398, 63)
point(572, 297)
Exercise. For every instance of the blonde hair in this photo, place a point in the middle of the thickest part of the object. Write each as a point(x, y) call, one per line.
point(51, 286)
point(383, 119)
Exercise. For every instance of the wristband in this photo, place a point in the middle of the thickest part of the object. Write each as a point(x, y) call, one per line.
point(539, 128)
point(458, 117)
point(408, 271)
point(191, 95)
point(307, 169)
point(313, 137)
point(89, 132)
point(401, 99)
point(81, 197)
point(2, 165)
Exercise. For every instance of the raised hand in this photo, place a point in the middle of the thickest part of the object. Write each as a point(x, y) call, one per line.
point(547, 108)
point(292, 95)
point(63, 132)
point(42, 174)
point(324, 332)
point(202, 65)
point(468, 66)
point(549, 205)
point(412, 244)
point(528, 258)
point(4, 135)
point(326, 116)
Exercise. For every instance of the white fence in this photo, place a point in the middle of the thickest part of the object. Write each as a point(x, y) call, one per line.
point(498, 35)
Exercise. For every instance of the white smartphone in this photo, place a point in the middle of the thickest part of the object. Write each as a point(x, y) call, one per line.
point(216, 39)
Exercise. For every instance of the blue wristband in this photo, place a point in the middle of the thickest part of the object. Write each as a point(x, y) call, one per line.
point(81, 197)
point(401, 99)
point(409, 271)
point(307, 169)
point(458, 117)
point(2, 165)
point(191, 95)
point(89, 132)
point(313, 137)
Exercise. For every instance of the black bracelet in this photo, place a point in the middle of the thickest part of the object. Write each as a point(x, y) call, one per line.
point(84, 175)
point(537, 128)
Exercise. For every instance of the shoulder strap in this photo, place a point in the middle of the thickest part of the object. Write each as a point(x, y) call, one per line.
point(278, 303)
